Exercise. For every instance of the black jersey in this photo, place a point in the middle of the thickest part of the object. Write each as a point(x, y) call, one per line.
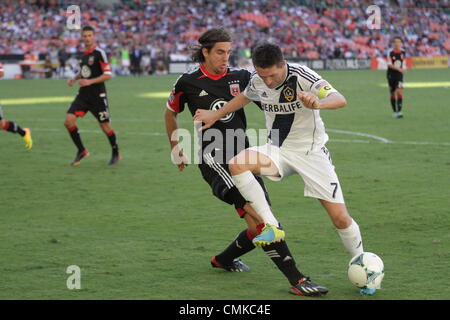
point(201, 90)
point(93, 64)
point(396, 58)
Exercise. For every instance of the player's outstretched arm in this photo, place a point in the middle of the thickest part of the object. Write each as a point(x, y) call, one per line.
point(170, 119)
point(71, 81)
point(334, 100)
point(87, 82)
point(209, 117)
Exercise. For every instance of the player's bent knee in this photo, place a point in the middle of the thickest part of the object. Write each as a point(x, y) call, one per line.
point(70, 121)
point(236, 168)
point(342, 220)
point(241, 163)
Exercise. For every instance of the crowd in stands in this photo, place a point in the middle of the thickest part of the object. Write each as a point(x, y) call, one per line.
point(140, 36)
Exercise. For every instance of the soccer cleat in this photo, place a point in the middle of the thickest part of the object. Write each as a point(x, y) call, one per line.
point(115, 159)
point(399, 115)
point(367, 291)
point(305, 287)
point(268, 235)
point(236, 266)
point(27, 139)
point(79, 156)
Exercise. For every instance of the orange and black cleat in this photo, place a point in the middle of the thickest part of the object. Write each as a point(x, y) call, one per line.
point(115, 159)
point(80, 155)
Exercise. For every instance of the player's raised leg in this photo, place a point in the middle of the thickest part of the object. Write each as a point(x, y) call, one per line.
point(13, 127)
point(112, 138)
point(242, 168)
point(347, 228)
point(70, 124)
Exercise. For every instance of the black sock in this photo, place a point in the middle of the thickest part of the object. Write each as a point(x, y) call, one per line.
point(73, 131)
point(240, 246)
point(113, 141)
point(282, 257)
point(399, 104)
point(394, 108)
point(11, 126)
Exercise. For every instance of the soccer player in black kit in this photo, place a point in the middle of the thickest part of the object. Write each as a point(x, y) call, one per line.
point(94, 71)
point(395, 71)
point(210, 86)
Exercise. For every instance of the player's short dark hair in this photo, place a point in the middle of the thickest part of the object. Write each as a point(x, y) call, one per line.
point(266, 55)
point(207, 40)
point(397, 37)
point(87, 28)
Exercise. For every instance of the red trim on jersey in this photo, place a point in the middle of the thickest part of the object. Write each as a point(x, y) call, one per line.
point(80, 113)
point(90, 51)
point(212, 75)
point(105, 66)
point(6, 125)
point(396, 52)
point(174, 101)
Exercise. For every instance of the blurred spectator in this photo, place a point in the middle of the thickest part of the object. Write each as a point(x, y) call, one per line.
point(48, 67)
point(161, 68)
point(135, 59)
point(63, 56)
point(146, 64)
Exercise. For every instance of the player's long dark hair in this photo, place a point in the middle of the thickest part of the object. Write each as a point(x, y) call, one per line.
point(207, 40)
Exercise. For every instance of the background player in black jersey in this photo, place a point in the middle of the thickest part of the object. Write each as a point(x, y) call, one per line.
point(395, 71)
point(94, 71)
point(210, 86)
point(12, 127)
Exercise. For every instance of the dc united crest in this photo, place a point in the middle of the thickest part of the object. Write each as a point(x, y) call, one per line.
point(235, 90)
point(219, 103)
point(85, 71)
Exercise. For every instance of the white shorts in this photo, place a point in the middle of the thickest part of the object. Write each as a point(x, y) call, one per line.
point(315, 168)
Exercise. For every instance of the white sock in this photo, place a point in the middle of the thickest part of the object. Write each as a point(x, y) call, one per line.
point(252, 191)
point(351, 238)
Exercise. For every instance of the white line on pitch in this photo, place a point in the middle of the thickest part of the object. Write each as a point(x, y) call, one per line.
point(361, 134)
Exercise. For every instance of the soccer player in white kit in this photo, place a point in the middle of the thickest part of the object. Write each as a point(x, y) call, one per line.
point(291, 96)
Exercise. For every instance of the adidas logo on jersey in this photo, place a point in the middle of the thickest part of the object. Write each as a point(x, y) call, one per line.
point(203, 93)
point(264, 95)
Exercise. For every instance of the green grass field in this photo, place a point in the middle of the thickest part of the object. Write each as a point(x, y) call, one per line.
point(143, 230)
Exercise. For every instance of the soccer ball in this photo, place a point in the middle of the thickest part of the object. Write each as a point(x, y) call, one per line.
point(366, 270)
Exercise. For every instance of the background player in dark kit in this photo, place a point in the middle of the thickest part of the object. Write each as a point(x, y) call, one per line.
point(94, 71)
point(395, 71)
point(209, 86)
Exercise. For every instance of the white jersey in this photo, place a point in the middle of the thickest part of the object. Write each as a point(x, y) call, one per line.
point(291, 125)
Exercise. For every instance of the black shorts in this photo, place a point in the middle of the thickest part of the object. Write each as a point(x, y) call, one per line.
point(98, 106)
point(222, 186)
point(395, 83)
